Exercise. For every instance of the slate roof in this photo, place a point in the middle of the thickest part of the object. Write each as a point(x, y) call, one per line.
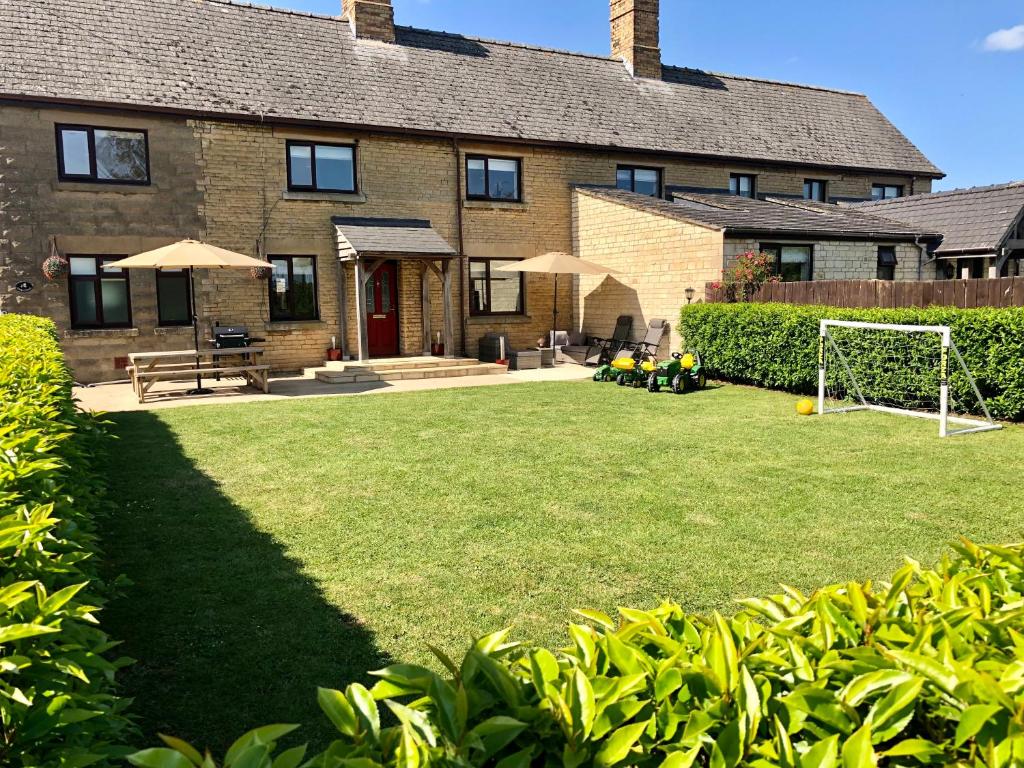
point(212, 57)
point(392, 236)
point(975, 220)
point(772, 217)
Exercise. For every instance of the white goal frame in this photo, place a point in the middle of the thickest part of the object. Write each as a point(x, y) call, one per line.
point(942, 416)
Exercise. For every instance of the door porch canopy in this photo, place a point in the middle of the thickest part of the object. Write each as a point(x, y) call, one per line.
point(369, 242)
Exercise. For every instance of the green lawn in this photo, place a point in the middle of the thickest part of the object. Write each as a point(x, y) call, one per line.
point(278, 546)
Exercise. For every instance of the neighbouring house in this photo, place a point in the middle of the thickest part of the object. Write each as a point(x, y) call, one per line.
point(982, 228)
point(666, 251)
point(386, 172)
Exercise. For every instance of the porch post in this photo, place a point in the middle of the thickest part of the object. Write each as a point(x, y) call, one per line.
point(364, 343)
point(425, 297)
point(342, 308)
point(449, 326)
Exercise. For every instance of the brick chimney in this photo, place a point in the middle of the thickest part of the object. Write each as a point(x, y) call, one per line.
point(635, 36)
point(370, 19)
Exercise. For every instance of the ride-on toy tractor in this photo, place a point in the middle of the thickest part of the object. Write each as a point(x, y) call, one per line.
point(683, 372)
point(633, 371)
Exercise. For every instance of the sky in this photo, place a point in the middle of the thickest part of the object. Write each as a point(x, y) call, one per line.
point(948, 73)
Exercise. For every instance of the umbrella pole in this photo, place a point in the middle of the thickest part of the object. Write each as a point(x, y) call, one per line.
point(554, 321)
point(195, 332)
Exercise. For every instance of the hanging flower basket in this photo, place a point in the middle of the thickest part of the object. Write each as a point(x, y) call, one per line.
point(55, 267)
point(260, 273)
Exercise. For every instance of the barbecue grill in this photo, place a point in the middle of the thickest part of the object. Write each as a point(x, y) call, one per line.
point(231, 337)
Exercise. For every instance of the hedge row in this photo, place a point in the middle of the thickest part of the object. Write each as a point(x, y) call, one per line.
point(927, 669)
point(776, 346)
point(56, 673)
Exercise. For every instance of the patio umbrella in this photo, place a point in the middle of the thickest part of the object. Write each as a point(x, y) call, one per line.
point(190, 254)
point(557, 263)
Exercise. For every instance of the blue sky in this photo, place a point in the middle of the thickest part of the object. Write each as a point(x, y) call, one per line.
point(948, 73)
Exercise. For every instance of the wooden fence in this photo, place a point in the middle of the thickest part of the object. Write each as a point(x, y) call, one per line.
point(965, 294)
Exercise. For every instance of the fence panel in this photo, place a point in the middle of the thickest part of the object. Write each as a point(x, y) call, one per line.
point(859, 294)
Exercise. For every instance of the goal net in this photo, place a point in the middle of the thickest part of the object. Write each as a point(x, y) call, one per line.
point(913, 370)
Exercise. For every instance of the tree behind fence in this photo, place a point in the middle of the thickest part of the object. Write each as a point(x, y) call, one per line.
point(965, 294)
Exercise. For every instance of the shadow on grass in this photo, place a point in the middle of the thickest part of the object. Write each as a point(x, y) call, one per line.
point(227, 630)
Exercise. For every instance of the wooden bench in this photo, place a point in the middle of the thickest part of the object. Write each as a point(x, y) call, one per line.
point(255, 375)
point(147, 368)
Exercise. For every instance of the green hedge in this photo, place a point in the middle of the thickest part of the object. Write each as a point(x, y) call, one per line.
point(56, 673)
point(775, 345)
point(927, 669)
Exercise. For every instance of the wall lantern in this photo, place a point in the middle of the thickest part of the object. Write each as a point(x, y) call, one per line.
point(689, 294)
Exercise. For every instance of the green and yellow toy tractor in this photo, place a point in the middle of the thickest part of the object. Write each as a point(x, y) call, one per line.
point(632, 371)
point(682, 373)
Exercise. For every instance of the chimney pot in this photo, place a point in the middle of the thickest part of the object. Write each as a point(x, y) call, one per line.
point(370, 19)
point(636, 36)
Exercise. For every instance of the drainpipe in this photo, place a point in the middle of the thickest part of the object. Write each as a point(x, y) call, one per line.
point(922, 257)
point(462, 248)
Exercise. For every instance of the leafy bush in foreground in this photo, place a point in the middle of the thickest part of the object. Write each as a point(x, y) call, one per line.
point(927, 669)
point(56, 702)
point(776, 346)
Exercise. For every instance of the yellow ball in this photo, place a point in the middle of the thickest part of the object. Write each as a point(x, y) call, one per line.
point(688, 362)
point(805, 407)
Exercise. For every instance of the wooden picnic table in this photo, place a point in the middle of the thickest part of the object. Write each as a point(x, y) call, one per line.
point(147, 368)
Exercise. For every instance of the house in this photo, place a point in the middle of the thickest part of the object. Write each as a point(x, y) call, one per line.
point(982, 228)
point(666, 251)
point(386, 172)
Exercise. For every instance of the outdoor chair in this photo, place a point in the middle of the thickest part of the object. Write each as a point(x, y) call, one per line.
point(602, 351)
point(648, 346)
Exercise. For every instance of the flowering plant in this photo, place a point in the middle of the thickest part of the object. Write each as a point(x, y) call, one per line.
point(748, 273)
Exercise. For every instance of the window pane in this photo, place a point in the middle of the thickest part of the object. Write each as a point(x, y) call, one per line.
point(796, 263)
point(300, 161)
point(646, 182)
point(83, 265)
point(303, 289)
point(120, 155)
point(475, 178)
point(503, 176)
point(172, 299)
point(734, 186)
point(334, 168)
point(371, 297)
point(504, 287)
point(84, 302)
point(279, 289)
point(75, 146)
point(624, 179)
point(478, 285)
point(745, 186)
point(385, 291)
point(114, 293)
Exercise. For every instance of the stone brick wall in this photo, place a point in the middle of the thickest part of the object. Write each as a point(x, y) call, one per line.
point(658, 258)
point(92, 219)
point(840, 259)
point(226, 182)
point(371, 19)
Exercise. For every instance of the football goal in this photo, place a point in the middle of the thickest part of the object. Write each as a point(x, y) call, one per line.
point(912, 370)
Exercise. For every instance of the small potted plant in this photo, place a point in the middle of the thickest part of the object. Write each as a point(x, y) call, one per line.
point(437, 348)
point(334, 353)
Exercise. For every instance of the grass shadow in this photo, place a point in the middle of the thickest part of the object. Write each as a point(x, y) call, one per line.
point(228, 630)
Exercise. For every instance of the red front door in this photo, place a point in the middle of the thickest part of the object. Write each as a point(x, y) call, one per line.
point(382, 310)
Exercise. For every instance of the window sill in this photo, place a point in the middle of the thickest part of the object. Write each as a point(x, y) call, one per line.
point(498, 320)
point(495, 205)
point(172, 330)
point(283, 326)
point(325, 197)
point(115, 189)
point(100, 333)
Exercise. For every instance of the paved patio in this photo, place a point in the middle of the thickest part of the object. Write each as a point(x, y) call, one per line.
point(112, 398)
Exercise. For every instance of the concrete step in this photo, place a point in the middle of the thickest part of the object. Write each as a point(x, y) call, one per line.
point(365, 374)
point(392, 364)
